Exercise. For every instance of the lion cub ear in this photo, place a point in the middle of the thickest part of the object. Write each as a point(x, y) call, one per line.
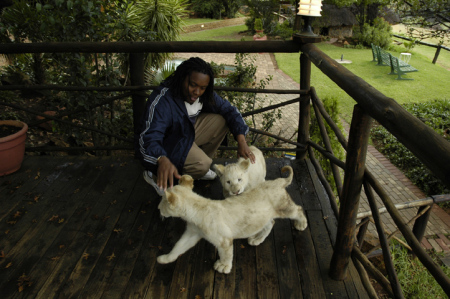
point(171, 198)
point(219, 169)
point(244, 164)
point(187, 181)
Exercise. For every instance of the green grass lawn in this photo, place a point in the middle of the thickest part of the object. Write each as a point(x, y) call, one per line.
point(430, 82)
point(193, 21)
point(230, 33)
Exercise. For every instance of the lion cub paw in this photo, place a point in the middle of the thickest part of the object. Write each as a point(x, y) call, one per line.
point(255, 241)
point(164, 259)
point(221, 267)
point(301, 224)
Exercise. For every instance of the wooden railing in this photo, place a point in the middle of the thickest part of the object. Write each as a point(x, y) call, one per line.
point(421, 140)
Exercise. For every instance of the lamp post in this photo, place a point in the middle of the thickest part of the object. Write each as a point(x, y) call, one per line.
point(308, 9)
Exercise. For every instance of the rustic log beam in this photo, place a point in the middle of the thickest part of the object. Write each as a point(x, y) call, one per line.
point(304, 107)
point(327, 117)
point(431, 148)
point(426, 260)
point(139, 98)
point(421, 223)
point(327, 143)
point(271, 107)
point(349, 203)
point(395, 284)
point(365, 278)
point(379, 277)
point(152, 47)
point(324, 182)
point(140, 88)
point(400, 206)
point(363, 226)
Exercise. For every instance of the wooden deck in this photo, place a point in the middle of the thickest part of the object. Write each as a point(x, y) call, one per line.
point(77, 227)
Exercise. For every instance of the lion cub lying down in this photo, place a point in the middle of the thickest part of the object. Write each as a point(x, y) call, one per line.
point(242, 175)
point(249, 215)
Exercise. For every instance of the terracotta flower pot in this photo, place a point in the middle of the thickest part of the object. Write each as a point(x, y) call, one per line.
point(12, 147)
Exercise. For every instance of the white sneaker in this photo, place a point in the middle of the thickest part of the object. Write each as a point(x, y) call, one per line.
point(209, 176)
point(148, 177)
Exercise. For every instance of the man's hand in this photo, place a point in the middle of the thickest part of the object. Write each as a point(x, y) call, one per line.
point(166, 172)
point(243, 149)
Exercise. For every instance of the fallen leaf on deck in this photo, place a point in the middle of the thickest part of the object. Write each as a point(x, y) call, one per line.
point(55, 258)
point(111, 257)
point(53, 218)
point(85, 256)
point(17, 214)
point(2, 254)
point(8, 265)
point(23, 281)
point(117, 230)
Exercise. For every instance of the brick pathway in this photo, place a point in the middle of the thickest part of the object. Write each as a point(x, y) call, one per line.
point(395, 183)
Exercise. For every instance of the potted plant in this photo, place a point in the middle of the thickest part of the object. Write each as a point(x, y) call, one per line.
point(13, 134)
point(259, 30)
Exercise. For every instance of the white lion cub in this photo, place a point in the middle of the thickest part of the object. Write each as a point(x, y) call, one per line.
point(249, 215)
point(242, 175)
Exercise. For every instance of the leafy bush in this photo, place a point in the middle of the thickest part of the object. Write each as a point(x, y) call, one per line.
point(332, 108)
point(435, 114)
point(215, 9)
point(379, 34)
point(284, 30)
point(262, 10)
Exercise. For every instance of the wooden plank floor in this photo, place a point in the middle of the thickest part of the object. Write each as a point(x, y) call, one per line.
point(78, 227)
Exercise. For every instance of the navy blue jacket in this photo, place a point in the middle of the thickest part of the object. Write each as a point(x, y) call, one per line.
point(167, 131)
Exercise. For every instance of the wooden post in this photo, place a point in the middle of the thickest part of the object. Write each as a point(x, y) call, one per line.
point(438, 50)
point(421, 223)
point(137, 79)
point(362, 231)
point(384, 242)
point(353, 179)
point(305, 107)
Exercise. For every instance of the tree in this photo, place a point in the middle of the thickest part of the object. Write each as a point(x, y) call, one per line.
point(216, 9)
point(431, 15)
point(161, 17)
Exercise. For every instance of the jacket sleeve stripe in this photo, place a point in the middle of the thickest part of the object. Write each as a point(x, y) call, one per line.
point(151, 111)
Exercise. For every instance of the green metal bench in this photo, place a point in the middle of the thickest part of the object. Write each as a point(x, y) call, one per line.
point(399, 68)
point(382, 57)
point(374, 52)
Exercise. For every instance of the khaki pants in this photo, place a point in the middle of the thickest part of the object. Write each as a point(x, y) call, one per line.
point(210, 130)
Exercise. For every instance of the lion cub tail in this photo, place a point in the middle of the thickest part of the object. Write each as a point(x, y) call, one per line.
point(288, 180)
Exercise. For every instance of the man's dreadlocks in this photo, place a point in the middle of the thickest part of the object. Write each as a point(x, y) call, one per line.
point(194, 64)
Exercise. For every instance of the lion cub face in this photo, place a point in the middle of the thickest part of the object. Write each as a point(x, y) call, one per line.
point(234, 177)
point(171, 204)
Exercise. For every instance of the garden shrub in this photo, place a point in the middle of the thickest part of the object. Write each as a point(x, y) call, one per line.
point(435, 114)
point(332, 108)
point(379, 34)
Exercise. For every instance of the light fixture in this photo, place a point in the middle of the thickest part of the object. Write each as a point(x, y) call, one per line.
point(308, 9)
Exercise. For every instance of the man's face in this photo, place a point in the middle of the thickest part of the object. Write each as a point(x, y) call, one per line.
point(194, 86)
